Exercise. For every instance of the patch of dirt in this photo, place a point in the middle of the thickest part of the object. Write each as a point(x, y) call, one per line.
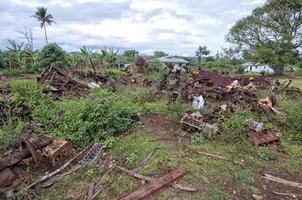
point(165, 129)
point(268, 188)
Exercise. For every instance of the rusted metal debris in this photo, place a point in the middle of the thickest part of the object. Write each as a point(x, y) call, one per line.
point(93, 155)
point(128, 79)
point(153, 189)
point(263, 138)
point(8, 179)
point(61, 81)
point(99, 78)
point(141, 65)
point(212, 79)
point(57, 151)
point(147, 83)
point(196, 121)
point(29, 149)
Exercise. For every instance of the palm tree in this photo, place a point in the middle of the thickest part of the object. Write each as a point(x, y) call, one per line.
point(42, 16)
point(202, 50)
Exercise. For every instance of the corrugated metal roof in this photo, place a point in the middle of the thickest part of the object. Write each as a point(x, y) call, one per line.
point(173, 59)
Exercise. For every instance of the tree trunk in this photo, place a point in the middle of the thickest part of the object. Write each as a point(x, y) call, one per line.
point(45, 34)
point(279, 69)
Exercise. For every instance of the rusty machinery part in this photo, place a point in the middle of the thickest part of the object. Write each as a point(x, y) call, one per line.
point(264, 138)
point(57, 151)
point(15, 158)
point(93, 154)
point(193, 121)
point(27, 144)
point(7, 177)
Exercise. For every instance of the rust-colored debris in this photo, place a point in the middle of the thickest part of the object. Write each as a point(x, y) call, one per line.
point(57, 151)
point(147, 83)
point(8, 178)
point(99, 78)
point(263, 138)
point(211, 79)
point(128, 79)
point(141, 65)
point(29, 149)
point(61, 81)
point(153, 189)
point(196, 121)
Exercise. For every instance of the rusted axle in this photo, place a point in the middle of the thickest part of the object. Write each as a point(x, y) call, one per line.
point(29, 149)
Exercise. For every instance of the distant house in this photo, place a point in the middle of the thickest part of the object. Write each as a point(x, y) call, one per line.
point(173, 60)
point(257, 68)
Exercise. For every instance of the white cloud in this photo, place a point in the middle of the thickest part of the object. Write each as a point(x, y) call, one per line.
point(175, 26)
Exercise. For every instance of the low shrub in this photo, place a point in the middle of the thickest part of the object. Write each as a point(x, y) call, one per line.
point(156, 66)
point(82, 121)
point(114, 72)
point(293, 121)
point(233, 128)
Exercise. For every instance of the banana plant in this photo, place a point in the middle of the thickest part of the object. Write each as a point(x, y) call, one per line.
point(112, 57)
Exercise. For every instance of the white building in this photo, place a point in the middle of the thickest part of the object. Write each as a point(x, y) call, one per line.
point(257, 68)
point(173, 60)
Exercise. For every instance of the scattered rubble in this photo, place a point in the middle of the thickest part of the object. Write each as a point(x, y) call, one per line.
point(60, 81)
point(264, 138)
point(259, 135)
point(196, 121)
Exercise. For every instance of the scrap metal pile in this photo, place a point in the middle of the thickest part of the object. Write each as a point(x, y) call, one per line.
point(220, 90)
point(38, 149)
point(58, 81)
point(99, 78)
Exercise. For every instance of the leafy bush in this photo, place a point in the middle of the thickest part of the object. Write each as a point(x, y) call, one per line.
point(293, 121)
point(2, 64)
point(52, 53)
point(116, 73)
point(233, 128)
point(9, 134)
point(80, 121)
point(26, 90)
point(156, 66)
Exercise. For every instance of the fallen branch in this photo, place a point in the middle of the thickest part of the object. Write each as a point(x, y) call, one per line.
point(44, 178)
point(218, 157)
point(287, 194)
point(142, 164)
point(282, 181)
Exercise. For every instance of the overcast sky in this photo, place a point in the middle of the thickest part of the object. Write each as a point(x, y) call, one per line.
point(175, 26)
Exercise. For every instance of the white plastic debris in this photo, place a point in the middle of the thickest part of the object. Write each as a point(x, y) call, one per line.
point(198, 102)
point(93, 85)
point(256, 126)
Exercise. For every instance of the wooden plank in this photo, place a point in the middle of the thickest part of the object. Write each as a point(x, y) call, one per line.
point(159, 184)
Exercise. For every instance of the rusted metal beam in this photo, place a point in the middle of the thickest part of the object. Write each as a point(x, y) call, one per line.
point(27, 152)
point(155, 187)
